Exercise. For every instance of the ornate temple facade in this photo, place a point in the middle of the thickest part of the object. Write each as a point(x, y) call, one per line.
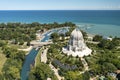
point(76, 45)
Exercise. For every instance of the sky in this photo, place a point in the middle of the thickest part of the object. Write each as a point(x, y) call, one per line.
point(59, 4)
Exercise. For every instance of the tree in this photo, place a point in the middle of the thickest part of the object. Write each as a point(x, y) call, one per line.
point(71, 75)
point(16, 41)
point(2, 76)
point(110, 78)
point(106, 44)
point(118, 76)
point(68, 33)
point(31, 76)
point(55, 37)
point(86, 76)
point(97, 38)
point(103, 43)
point(2, 43)
point(14, 72)
point(111, 46)
point(21, 42)
point(108, 67)
point(42, 72)
point(84, 34)
point(11, 69)
point(28, 43)
point(20, 55)
point(32, 36)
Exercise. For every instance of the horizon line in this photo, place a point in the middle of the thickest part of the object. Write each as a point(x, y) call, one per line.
point(54, 9)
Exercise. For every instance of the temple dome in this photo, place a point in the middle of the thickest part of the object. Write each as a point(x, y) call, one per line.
point(76, 34)
point(76, 45)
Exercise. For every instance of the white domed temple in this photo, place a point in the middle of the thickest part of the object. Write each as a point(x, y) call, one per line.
point(76, 45)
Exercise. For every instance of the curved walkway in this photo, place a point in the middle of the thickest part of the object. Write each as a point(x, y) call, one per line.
point(85, 64)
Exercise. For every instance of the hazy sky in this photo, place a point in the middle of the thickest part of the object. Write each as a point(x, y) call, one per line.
point(59, 4)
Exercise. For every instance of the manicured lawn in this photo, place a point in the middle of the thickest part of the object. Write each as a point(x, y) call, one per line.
point(38, 57)
point(2, 60)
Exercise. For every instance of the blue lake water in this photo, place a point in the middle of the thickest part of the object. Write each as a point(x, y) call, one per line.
point(48, 34)
point(106, 22)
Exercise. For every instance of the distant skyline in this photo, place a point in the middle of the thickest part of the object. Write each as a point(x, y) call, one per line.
point(59, 4)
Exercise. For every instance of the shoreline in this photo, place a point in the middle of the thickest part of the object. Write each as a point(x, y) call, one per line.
point(91, 28)
point(104, 30)
point(95, 28)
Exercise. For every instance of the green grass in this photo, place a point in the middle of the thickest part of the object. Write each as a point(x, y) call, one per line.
point(38, 57)
point(2, 60)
